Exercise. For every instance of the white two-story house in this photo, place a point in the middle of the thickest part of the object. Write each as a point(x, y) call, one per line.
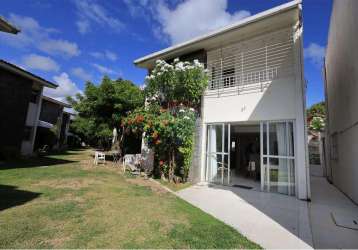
point(253, 127)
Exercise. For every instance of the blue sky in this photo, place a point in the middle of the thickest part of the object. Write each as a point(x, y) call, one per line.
point(72, 41)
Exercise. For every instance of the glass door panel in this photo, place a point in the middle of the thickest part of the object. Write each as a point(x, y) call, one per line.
point(217, 155)
point(278, 157)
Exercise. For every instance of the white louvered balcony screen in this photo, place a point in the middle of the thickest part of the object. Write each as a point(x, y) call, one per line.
point(250, 65)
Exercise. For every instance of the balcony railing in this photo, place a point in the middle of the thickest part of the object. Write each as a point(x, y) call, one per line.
point(251, 70)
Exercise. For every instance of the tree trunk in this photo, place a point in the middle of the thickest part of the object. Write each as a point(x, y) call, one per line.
point(171, 164)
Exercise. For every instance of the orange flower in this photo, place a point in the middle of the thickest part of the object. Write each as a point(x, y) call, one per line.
point(139, 119)
point(161, 162)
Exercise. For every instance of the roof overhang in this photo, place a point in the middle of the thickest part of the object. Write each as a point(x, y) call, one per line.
point(47, 98)
point(19, 71)
point(5, 26)
point(272, 19)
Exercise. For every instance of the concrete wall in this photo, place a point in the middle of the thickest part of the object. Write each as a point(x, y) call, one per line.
point(341, 67)
point(50, 112)
point(253, 106)
point(282, 99)
point(15, 92)
point(194, 172)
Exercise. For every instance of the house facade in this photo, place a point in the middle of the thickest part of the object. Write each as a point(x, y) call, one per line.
point(53, 117)
point(252, 129)
point(341, 90)
point(20, 102)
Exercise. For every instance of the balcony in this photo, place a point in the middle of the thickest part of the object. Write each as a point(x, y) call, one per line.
point(235, 70)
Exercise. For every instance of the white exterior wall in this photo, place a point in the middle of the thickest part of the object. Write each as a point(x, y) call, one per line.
point(282, 99)
point(32, 119)
point(341, 97)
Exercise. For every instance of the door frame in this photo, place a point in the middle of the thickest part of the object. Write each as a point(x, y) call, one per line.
point(268, 156)
point(222, 153)
point(262, 155)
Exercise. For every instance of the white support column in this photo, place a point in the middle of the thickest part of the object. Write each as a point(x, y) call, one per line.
point(37, 120)
point(301, 164)
point(262, 170)
point(203, 143)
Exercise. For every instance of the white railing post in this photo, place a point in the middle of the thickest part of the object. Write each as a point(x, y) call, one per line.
point(242, 70)
point(266, 68)
point(221, 75)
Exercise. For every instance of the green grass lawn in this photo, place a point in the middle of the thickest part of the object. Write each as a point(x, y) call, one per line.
point(174, 186)
point(62, 201)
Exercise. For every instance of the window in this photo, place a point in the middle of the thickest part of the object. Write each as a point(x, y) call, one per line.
point(213, 82)
point(278, 157)
point(228, 77)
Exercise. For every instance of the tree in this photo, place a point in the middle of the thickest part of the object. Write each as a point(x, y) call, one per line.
point(317, 110)
point(316, 116)
point(177, 83)
point(102, 108)
point(317, 123)
point(173, 94)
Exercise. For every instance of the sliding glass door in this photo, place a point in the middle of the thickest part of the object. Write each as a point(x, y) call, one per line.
point(277, 160)
point(277, 154)
point(217, 154)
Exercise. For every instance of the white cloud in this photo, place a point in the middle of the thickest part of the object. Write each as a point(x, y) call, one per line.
point(33, 35)
point(111, 55)
point(66, 87)
point(61, 47)
point(89, 12)
point(81, 74)
point(104, 70)
point(105, 55)
point(44, 63)
point(190, 18)
point(315, 53)
point(83, 26)
point(195, 17)
point(139, 8)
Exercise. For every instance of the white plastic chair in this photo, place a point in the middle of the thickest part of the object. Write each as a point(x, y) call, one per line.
point(132, 161)
point(99, 157)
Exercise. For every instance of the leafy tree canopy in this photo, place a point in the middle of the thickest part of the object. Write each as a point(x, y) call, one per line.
point(316, 116)
point(101, 108)
point(317, 110)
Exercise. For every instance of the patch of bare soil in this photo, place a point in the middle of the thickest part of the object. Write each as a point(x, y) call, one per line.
point(58, 241)
point(69, 183)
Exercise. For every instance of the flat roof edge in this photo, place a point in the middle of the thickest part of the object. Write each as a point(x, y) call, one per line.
point(9, 27)
point(236, 25)
point(17, 70)
point(50, 99)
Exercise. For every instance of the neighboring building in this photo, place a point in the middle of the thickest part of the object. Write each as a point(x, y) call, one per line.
point(253, 111)
point(5, 26)
point(52, 118)
point(341, 91)
point(20, 103)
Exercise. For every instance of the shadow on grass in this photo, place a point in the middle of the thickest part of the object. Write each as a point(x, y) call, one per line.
point(40, 161)
point(12, 197)
point(70, 151)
